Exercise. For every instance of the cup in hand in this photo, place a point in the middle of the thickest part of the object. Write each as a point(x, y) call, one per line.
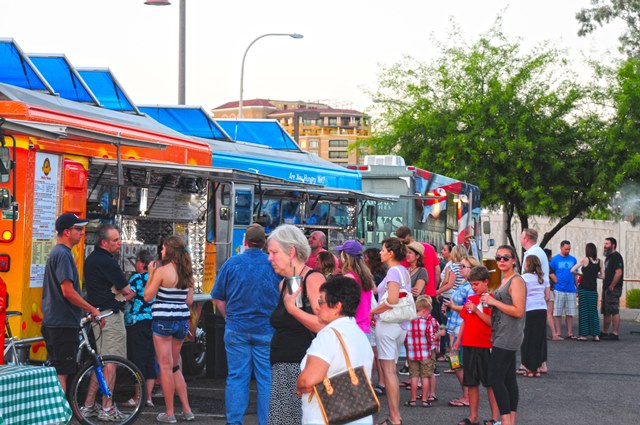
point(293, 284)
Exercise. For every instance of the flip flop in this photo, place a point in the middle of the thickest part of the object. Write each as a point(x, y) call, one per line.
point(466, 421)
point(432, 398)
point(582, 338)
point(410, 403)
point(426, 404)
point(458, 403)
point(379, 389)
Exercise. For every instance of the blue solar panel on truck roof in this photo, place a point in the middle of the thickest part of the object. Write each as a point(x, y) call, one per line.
point(263, 132)
point(17, 70)
point(189, 120)
point(63, 77)
point(106, 88)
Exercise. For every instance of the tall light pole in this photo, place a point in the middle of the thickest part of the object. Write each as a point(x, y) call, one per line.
point(240, 104)
point(182, 45)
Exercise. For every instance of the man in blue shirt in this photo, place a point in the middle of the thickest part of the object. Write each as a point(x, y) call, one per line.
point(246, 293)
point(564, 289)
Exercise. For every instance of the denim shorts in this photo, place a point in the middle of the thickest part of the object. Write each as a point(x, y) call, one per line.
point(178, 329)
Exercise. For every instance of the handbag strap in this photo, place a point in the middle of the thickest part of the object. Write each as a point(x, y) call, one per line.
point(352, 373)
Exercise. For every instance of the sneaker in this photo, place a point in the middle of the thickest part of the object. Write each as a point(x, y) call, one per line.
point(149, 403)
point(163, 417)
point(188, 416)
point(112, 414)
point(436, 372)
point(90, 411)
point(404, 370)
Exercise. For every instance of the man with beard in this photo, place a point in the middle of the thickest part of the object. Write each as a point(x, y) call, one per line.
point(611, 290)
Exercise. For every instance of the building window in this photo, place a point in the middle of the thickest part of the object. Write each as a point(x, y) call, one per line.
point(313, 144)
point(338, 154)
point(338, 143)
point(333, 121)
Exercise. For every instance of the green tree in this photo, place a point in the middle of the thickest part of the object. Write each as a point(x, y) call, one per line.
point(603, 12)
point(513, 123)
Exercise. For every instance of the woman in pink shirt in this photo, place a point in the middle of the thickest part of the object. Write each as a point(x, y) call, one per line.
point(353, 265)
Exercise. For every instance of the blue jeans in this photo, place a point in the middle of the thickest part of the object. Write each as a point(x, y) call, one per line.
point(246, 353)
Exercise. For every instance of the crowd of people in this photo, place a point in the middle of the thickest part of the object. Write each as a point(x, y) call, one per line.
point(149, 320)
point(290, 305)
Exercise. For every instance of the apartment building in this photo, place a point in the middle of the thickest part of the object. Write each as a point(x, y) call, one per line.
point(318, 128)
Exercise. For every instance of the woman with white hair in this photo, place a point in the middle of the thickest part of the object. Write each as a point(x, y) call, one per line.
point(295, 327)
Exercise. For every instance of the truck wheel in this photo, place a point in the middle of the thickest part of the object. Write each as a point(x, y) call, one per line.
point(194, 354)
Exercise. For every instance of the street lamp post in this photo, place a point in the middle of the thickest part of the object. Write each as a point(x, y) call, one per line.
point(182, 45)
point(240, 103)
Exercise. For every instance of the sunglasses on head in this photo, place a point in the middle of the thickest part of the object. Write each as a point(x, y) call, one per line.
point(503, 258)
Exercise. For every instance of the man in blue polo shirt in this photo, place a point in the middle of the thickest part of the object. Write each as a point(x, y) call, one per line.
point(564, 289)
point(246, 293)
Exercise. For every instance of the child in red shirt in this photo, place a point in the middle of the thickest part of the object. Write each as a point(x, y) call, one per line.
point(475, 337)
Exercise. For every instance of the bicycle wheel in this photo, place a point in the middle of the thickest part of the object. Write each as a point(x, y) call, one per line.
point(129, 386)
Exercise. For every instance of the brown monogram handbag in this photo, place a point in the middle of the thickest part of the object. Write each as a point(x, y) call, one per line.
point(346, 396)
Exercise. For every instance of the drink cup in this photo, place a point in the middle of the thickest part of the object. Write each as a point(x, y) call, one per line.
point(293, 284)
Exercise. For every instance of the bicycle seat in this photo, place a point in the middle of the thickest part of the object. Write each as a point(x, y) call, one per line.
point(13, 313)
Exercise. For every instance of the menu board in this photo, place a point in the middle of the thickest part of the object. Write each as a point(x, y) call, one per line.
point(45, 198)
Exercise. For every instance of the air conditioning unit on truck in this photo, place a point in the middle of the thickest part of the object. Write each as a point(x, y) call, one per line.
point(436, 208)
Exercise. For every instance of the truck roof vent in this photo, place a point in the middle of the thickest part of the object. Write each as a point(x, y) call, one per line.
point(383, 160)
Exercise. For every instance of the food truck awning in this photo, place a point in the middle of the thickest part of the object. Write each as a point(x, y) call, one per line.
point(196, 171)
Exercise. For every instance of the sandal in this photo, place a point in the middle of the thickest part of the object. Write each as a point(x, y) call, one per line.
point(522, 371)
point(432, 398)
point(388, 422)
point(582, 338)
point(426, 404)
point(466, 421)
point(410, 403)
point(490, 422)
point(379, 389)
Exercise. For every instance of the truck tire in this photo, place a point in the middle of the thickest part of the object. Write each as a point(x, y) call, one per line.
point(194, 354)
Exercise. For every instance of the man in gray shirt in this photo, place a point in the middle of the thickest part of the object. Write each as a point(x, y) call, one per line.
point(62, 303)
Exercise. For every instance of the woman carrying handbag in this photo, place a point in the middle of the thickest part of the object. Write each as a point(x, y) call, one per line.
point(339, 352)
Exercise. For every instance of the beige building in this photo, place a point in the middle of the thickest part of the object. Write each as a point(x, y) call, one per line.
point(328, 132)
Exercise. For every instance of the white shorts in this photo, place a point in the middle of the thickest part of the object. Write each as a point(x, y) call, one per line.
point(389, 340)
point(564, 303)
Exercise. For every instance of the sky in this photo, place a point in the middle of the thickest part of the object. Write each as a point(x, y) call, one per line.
point(345, 42)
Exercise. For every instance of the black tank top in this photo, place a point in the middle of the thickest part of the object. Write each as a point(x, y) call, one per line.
point(291, 339)
point(589, 275)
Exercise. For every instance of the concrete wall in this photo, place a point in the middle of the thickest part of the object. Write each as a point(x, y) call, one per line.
point(579, 232)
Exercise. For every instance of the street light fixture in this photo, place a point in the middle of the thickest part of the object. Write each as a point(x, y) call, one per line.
point(240, 104)
point(182, 51)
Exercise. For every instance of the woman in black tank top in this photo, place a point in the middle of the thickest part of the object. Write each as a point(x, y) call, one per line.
point(592, 269)
point(295, 327)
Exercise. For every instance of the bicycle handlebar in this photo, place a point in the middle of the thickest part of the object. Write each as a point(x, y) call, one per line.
point(87, 318)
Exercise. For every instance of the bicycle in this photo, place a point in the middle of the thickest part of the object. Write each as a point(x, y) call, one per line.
point(13, 346)
point(90, 380)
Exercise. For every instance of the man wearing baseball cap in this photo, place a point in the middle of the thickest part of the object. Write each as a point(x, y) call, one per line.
point(62, 303)
point(246, 293)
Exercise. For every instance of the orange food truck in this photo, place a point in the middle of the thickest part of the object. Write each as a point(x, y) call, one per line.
point(112, 166)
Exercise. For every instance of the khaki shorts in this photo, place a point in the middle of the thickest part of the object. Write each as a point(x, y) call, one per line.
point(422, 368)
point(111, 340)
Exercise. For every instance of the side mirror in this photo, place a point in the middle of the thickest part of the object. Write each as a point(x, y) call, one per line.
point(5, 199)
point(5, 164)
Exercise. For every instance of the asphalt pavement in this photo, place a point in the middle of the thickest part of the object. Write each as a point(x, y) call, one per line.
point(588, 383)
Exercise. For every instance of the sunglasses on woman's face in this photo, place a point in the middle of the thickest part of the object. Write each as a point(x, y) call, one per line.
point(503, 258)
